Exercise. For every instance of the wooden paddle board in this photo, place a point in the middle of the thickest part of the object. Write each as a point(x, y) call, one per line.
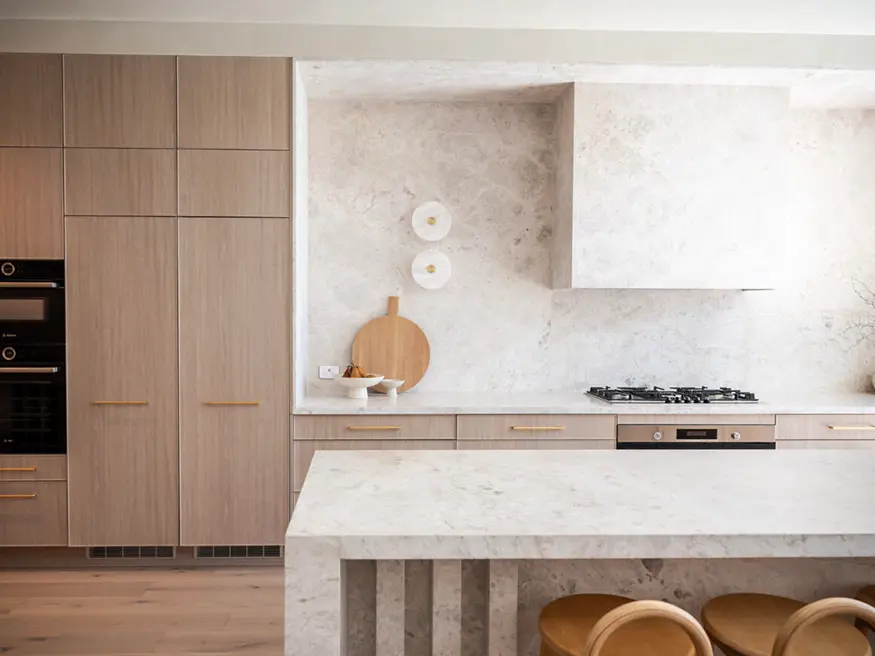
point(393, 347)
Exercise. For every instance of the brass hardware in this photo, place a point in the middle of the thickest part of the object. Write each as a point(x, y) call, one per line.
point(28, 370)
point(119, 403)
point(232, 402)
point(852, 428)
point(431, 268)
point(17, 496)
point(30, 285)
point(373, 428)
point(431, 220)
point(537, 428)
point(17, 469)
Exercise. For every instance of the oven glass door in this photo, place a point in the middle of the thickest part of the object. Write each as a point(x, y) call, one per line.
point(32, 314)
point(32, 410)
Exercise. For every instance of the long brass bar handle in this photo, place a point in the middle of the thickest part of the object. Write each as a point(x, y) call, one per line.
point(17, 496)
point(373, 428)
point(119, 403)
point(537, 428)
point(28, 370)
point(29, 285)
point(17, 469)
point(853, 428)
point(232, 402)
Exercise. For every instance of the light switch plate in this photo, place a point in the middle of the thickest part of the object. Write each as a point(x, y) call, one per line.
point(328, 371)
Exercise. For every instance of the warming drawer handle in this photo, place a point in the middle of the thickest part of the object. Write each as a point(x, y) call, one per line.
point(119, 403)
point(29, 285)
point(28, 370)
point(373, 428)
point(232, 402)
point(17, 469)
point(853, 428)
point(17, 496)
point(538, 428)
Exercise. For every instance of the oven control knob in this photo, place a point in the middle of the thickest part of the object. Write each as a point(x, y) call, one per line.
point(8, 353)
point(657, 436)
point(735, 436)
point(7, 268)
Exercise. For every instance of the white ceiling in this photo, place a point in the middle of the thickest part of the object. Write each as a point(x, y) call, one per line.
point(425, 81)
point(834, 17)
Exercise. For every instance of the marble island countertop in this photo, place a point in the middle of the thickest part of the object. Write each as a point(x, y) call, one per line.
point(588, 504)
point(415, 402)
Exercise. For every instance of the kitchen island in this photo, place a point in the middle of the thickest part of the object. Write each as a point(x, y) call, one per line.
point(509, 508)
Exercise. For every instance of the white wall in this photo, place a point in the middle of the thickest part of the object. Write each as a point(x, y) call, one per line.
point(758, 16)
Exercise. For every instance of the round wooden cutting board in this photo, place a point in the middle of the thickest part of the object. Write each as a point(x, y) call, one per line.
point(393, 347)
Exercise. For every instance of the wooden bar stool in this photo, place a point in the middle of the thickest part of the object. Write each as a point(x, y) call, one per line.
point(750, 625)
point(585, 625)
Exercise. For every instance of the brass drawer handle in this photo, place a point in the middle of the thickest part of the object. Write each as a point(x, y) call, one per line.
point(537, 428)
point(17, 496)
point(373, 428)
point(232, 402)
point(852, 428)
point(119, 403)
point(17, 469)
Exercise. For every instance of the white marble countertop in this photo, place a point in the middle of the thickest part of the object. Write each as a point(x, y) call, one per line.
point(589, 504)
point(576, 403)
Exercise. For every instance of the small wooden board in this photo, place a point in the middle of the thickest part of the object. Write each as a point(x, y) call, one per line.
point(393, 347)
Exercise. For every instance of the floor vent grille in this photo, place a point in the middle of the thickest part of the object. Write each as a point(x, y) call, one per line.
point(260, 551)
point(131, 552)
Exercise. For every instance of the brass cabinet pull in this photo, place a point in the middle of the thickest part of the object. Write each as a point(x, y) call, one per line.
point(29, 285)
point(17, 469)
point(537, 428)
point(28, 370)
point(373, 428)
point(119, 403)
point(852, 428)
point(232, 402)
point(17, 496)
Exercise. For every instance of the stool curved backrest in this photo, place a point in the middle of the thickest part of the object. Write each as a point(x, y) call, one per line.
point(817, 611)
point(639, 610)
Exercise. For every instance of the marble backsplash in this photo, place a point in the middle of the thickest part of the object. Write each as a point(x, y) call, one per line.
point(498, 325)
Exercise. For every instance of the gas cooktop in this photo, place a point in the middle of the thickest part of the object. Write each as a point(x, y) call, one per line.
point(672, 395)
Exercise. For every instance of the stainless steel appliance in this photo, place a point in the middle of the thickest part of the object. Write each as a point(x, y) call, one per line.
point(672, 395)
point(652, 437)
point(33, 407)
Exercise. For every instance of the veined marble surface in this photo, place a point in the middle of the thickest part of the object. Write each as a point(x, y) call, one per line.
point(429, 403)
point(592, 504)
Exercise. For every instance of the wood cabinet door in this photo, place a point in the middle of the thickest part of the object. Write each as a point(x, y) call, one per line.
point(123, 431)
point(31, 208)
point(234, 102)
point(31, 108)
point(120, 101)
point(234, 380)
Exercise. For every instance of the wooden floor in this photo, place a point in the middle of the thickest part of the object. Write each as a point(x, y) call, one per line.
point(134, 612)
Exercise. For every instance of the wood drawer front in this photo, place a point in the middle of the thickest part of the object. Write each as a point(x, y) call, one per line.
point(515, 427)
point(826, 444)
point(33, 514)
point(537, 444)
point(697, 420)
point(304, 451)
point(33, 468)
point(120, 182)
point(826, 427)
point(32, 109)
point(375, 427)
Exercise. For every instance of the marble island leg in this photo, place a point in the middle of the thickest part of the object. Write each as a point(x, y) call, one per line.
point(446, 623)
point(390, 607)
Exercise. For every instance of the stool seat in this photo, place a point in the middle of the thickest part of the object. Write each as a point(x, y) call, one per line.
point(566, 623)
point(747, 625)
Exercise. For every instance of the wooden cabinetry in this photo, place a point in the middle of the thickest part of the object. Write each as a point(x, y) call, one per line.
point(33, 468)
point(537, 444)
point(234, 183)
point(120, 101)
point(33, 514)
point(234, 102)
point(122, 381)
point(826, 427)
point(375, 427)
point(234, 380)
point(31, 214)
point(120, 182)
point(31, 108)
point(520, 427)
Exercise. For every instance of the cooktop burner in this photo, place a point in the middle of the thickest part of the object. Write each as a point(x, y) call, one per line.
point(672, 395)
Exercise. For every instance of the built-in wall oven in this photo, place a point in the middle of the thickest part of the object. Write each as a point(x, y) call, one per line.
point(650, 437)
point(33, 406)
